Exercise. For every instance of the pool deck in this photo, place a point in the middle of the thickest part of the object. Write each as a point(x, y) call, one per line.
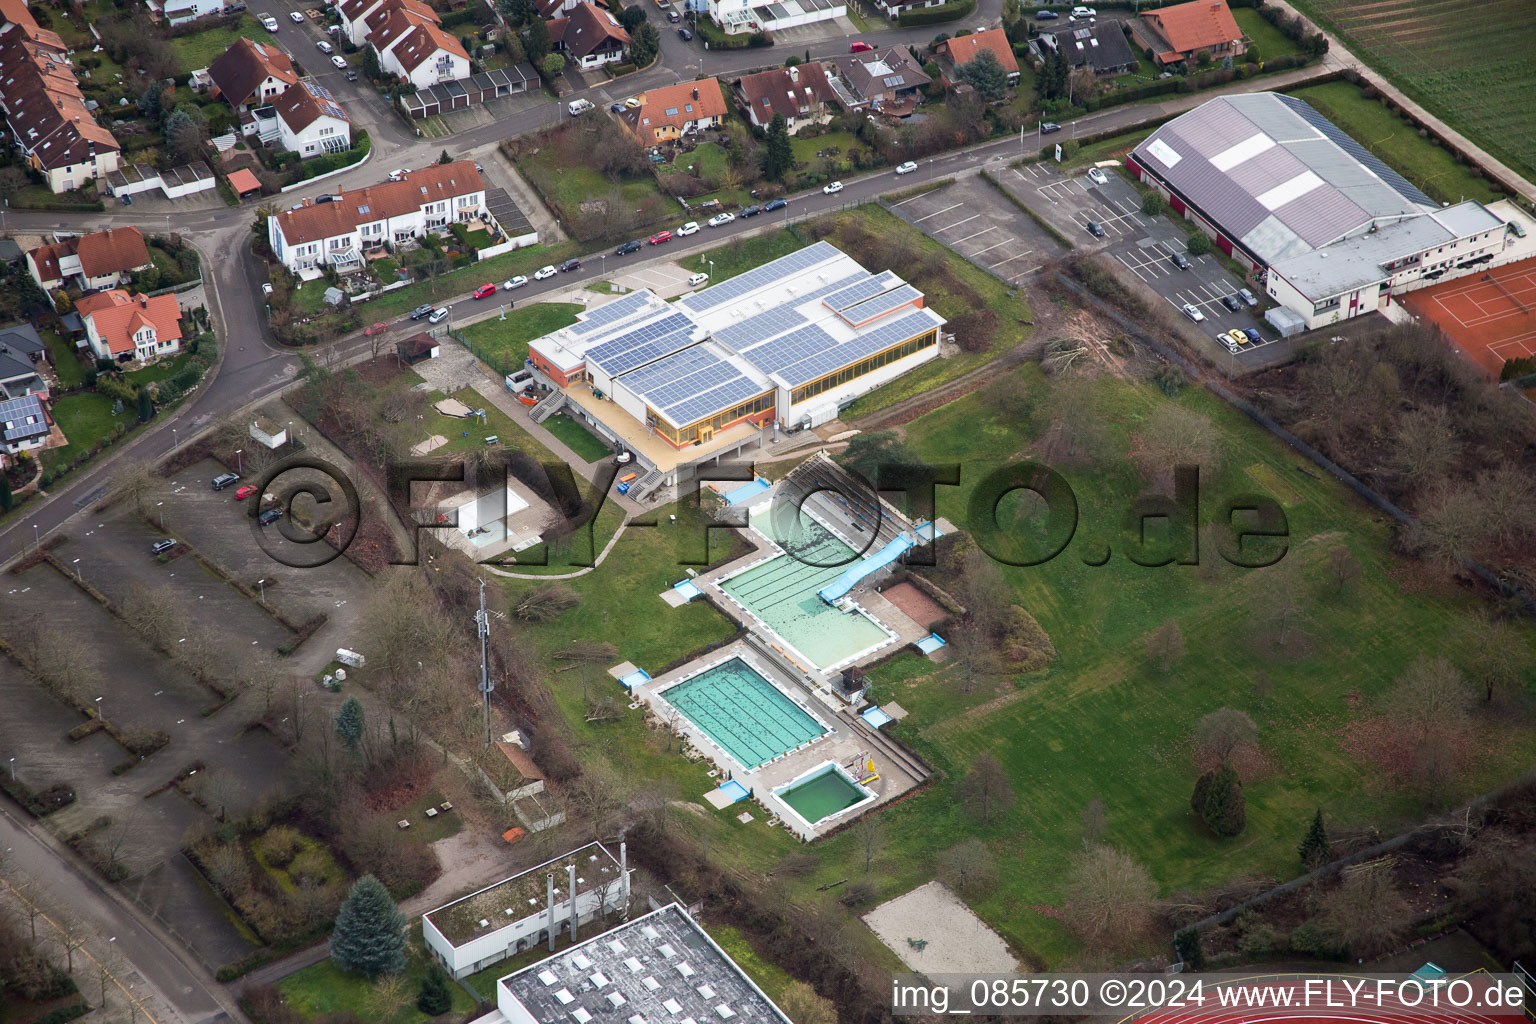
point(848, 739)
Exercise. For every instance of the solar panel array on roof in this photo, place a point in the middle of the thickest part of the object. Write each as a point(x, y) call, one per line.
point(690, 385)
point(778, 319)
point(880, 305)
point(773, 355)
point(328, 104)
point(641, 344)
point(609, 312)
point(16, 413)
point(759, 277)
point(858, 292)
point(867, 344)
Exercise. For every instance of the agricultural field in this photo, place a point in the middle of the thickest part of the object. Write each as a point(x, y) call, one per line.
point(1470, 64)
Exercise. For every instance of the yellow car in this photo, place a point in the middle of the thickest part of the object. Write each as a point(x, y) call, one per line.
point(1236, 337)
point(632, 103)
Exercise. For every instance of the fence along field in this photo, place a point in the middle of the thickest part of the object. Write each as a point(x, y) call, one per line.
point(1469, 63)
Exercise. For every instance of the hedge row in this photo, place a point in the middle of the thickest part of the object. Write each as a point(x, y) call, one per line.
point(361, 145)
point(952, 11)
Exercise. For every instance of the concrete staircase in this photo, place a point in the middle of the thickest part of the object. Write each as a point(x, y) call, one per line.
point(552, 403)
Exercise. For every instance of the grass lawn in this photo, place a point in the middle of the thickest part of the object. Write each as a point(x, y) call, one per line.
point(466, 279)
point(578, 438)
point(309, 298)
point(1115, 146)
point(201, 49)
point(324, 988)
point(430, 830)
point(742, 254)
point(85, 419)
point(503, 344)
point(164, 369)
point(1397, 143)
point(769, 976)
point(1269, 41)
point(468, 434)
point(568, 183)
point(705, 160)
point(62, 354)
point(1102, 722)
point(806, 150)
point(39, 196)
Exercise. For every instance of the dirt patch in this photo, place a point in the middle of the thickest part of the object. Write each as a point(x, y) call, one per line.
point(915, 604)
point(931, 931)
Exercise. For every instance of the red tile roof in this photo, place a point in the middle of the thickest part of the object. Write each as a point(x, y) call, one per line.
point(14, 12)
point(424, 42)
point(239, 71)
point(1194, 26)
point(305, 104)
point(117, 316)
point(243, 181)
point(792, 92)
point(116, 250)
point(675, 105)
point(438, 182)
point(963, 49)
point(586, 29)
point(518, 758)
point(44, 104)
point(392, 23)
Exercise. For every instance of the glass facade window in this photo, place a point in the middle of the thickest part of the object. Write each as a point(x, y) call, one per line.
point(864, 366)
point(690, 433)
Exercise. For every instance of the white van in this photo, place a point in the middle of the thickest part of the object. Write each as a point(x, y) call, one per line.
point(694, 280)
point(578, 107)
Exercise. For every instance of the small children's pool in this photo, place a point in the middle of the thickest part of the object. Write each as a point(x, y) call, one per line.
point(822, 792)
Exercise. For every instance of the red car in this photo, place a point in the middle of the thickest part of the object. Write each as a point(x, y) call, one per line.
point(245, 492)
point(484, 290)
point(661, 236)
point(369, 332)
point(859, 48)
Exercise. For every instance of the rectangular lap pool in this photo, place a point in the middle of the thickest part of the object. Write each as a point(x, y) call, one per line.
point(822, 792)
point(782, 593)
point(743, 713)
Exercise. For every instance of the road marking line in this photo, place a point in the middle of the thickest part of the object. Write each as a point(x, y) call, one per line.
point(989, 248)
point(935, 213)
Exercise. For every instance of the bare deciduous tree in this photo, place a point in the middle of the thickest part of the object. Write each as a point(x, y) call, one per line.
point(1109, 897)
point(986, 790)
point(968, 868)
point(1366, 913)
point(1431, 693)
point(1426, 445)
point(1175, 436)
point(1343, 569)
point(802, 1005)
point(869, 838)
point(1166, 647)
point(1223, 731)
point(1095, 823)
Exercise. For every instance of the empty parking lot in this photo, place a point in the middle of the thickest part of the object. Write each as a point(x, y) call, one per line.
point(973, 220)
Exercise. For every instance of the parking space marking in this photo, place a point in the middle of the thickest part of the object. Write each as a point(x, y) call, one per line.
point(967, 220)
point(1010, 259)
point(935, 213)
point(974, 234)
point(989, 248)
point(910, 199)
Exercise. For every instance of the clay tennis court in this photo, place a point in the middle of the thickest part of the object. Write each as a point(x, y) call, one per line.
point(1490, 315)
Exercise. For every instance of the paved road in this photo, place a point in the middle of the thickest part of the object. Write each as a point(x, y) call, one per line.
point(188, 991)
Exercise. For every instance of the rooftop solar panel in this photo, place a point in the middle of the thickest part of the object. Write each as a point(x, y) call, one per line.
point(866, 289)
point(718, 399)
point(639, 345)
point(772, 356)
point(866, 344)
point(759, 277)
point(609, 312)
point(677, 365)
point(880, 305)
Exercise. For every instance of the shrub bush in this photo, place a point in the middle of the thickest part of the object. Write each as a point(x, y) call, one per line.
point(954, 10)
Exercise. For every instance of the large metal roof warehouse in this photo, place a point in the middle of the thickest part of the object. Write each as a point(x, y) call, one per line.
point(1332, 229)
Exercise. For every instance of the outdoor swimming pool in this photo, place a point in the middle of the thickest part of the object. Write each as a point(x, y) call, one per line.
point(743, 713)
point(822, 792)
point(782, 593)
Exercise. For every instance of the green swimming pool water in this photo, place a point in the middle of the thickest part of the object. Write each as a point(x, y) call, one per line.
point(782, 592)
point(743, 712)
point(824, 793)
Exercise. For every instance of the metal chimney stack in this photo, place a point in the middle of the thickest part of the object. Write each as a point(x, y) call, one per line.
point(550, 898)
point(572, 895)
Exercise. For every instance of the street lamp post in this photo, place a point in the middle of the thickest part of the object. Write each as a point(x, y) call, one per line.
point(161, 506)
point(37, 543)
point(239, 462)
point(174, 440)
point(79, 572)
point(262, 583)
point(13, 769)
point(98, 710)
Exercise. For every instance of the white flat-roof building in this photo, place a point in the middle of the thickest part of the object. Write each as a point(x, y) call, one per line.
point(1333, 230)
point(658, 968)
point(786, 344)
point(518, 913)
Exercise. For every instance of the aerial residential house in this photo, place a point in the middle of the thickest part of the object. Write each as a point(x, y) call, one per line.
point(676, 110)
point(124, 327)
point(738, 16)
point(885, 81)
point(1101, 47)
point(25, 424)
point(799, 94)
point(559, 8)
point(413, 46)
point(251, 74)
point(179, 12)
point(956, 52)
point(311, 122)
point(44, 109)
point(1185, 32)
point(353, 15)
point(589, 36)
point(102, 259)
point(388, 214)
point(21, 350)
point(555, 898)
